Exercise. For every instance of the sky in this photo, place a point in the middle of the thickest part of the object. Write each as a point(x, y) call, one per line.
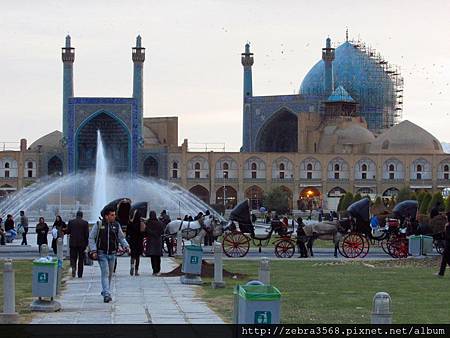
point(192, 68)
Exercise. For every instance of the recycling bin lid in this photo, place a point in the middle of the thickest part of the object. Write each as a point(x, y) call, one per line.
point(258, 292)
point(38, 261)
point(193, 248)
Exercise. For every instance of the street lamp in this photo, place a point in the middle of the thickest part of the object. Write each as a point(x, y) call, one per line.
point(60, 175)
point(224, 188)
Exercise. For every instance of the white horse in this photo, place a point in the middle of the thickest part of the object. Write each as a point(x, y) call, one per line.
point(194, 231)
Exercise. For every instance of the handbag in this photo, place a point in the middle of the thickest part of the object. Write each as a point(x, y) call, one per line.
point(87, 260)
point(20, 230)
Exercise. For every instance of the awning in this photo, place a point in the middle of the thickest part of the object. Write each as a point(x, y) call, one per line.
point(421, 187)
point(302, 185)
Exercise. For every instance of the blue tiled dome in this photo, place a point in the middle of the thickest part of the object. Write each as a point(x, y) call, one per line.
point(363, 78)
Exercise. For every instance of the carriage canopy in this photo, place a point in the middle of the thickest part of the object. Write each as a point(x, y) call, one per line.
point(138, 210)
point(241, 214)
point(122, 206)
point(406, 208)
point(360, 209)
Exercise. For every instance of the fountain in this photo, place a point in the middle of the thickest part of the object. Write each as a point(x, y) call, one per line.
point(100, 193)
point(91, 191)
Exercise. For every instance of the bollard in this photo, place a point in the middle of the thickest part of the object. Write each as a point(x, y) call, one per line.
point(218, 267)
point(60, 255)
point(9, 315)
point(264, 271)
point(381, 309)
point(44, 250)
point(179, 252)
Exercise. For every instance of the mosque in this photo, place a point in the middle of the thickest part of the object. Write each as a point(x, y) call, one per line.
point(341, 132)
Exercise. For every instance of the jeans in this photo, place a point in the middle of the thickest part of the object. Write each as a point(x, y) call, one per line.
point(106, 263)
point(24, 237)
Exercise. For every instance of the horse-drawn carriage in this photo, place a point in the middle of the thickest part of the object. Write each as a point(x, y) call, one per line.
point(237, 238)
point(391, 238)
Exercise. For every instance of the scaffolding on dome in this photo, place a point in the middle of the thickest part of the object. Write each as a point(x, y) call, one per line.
point(390, 97)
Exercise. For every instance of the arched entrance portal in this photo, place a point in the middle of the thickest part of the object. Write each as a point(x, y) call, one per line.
point(255, 194)
point(279, 133)
point(116, 141)
point(54, 166)
point(309, 199)
point(230, 195)
point(201, 192)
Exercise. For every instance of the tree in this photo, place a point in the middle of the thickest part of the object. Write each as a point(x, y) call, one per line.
point(346, 201)
point(403, 195)
point(357, 197)
point(437, 198)
point(420, 197)
point(277, 200)
point(423, 209)
point(413, 196)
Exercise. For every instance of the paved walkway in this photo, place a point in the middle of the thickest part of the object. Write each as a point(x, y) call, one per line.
point(136, 300)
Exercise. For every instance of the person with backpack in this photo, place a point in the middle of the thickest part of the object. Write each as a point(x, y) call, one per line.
point(104, 240)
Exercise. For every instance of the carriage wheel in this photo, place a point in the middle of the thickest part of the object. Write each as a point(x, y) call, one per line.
point(398, 247)
point(235, 244)
point(352, 245)
point(366, 247)
point(439, 245)
point(284, 248)
point(384, 245)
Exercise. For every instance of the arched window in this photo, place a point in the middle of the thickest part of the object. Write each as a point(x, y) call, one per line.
point(336, 167)
point(364, 167)
point(336, 171)
point(254, 166)
point(175, 169)
point(225, 166)
point(446, 172)
point(446, 167)
point(197, 170)
point(30, 165)
point(7, 165)
point(391, 167)
point(309, 166)
point(419, 168)
point(281, 166)
point(364, 171)
point(254, 170)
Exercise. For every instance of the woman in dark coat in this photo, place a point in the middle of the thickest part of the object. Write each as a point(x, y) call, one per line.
point(135, 239)
point(154, 230)
point(42, 231)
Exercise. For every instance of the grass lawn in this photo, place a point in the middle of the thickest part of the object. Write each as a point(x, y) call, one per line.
point(342, 292)
point(23, 287)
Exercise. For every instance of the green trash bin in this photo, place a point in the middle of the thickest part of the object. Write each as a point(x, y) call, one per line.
point(415, 245)
point(257, 304)
point(427, 245)
point(192, 260)
point(44, 278)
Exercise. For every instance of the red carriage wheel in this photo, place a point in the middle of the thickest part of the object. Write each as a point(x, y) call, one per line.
point(399, 248)
point(366, 247)
point(284, 248)
point(352, 245)
point(384, 245)
point(235, 244)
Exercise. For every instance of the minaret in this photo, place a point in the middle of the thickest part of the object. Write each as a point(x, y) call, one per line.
point(247, 62)
point(328, 55)
point(138, 56)
point(68, 57)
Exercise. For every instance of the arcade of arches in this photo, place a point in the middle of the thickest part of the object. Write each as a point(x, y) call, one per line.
point(309, 199)
point(255, 195)
point(201, 192)
point(230, 195)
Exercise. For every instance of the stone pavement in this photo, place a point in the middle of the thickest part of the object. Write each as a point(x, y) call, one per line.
point(144, 299)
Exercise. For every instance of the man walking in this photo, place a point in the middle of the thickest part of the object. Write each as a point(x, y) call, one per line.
point(24, 225)
point(78, 229)
point(104, 240)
